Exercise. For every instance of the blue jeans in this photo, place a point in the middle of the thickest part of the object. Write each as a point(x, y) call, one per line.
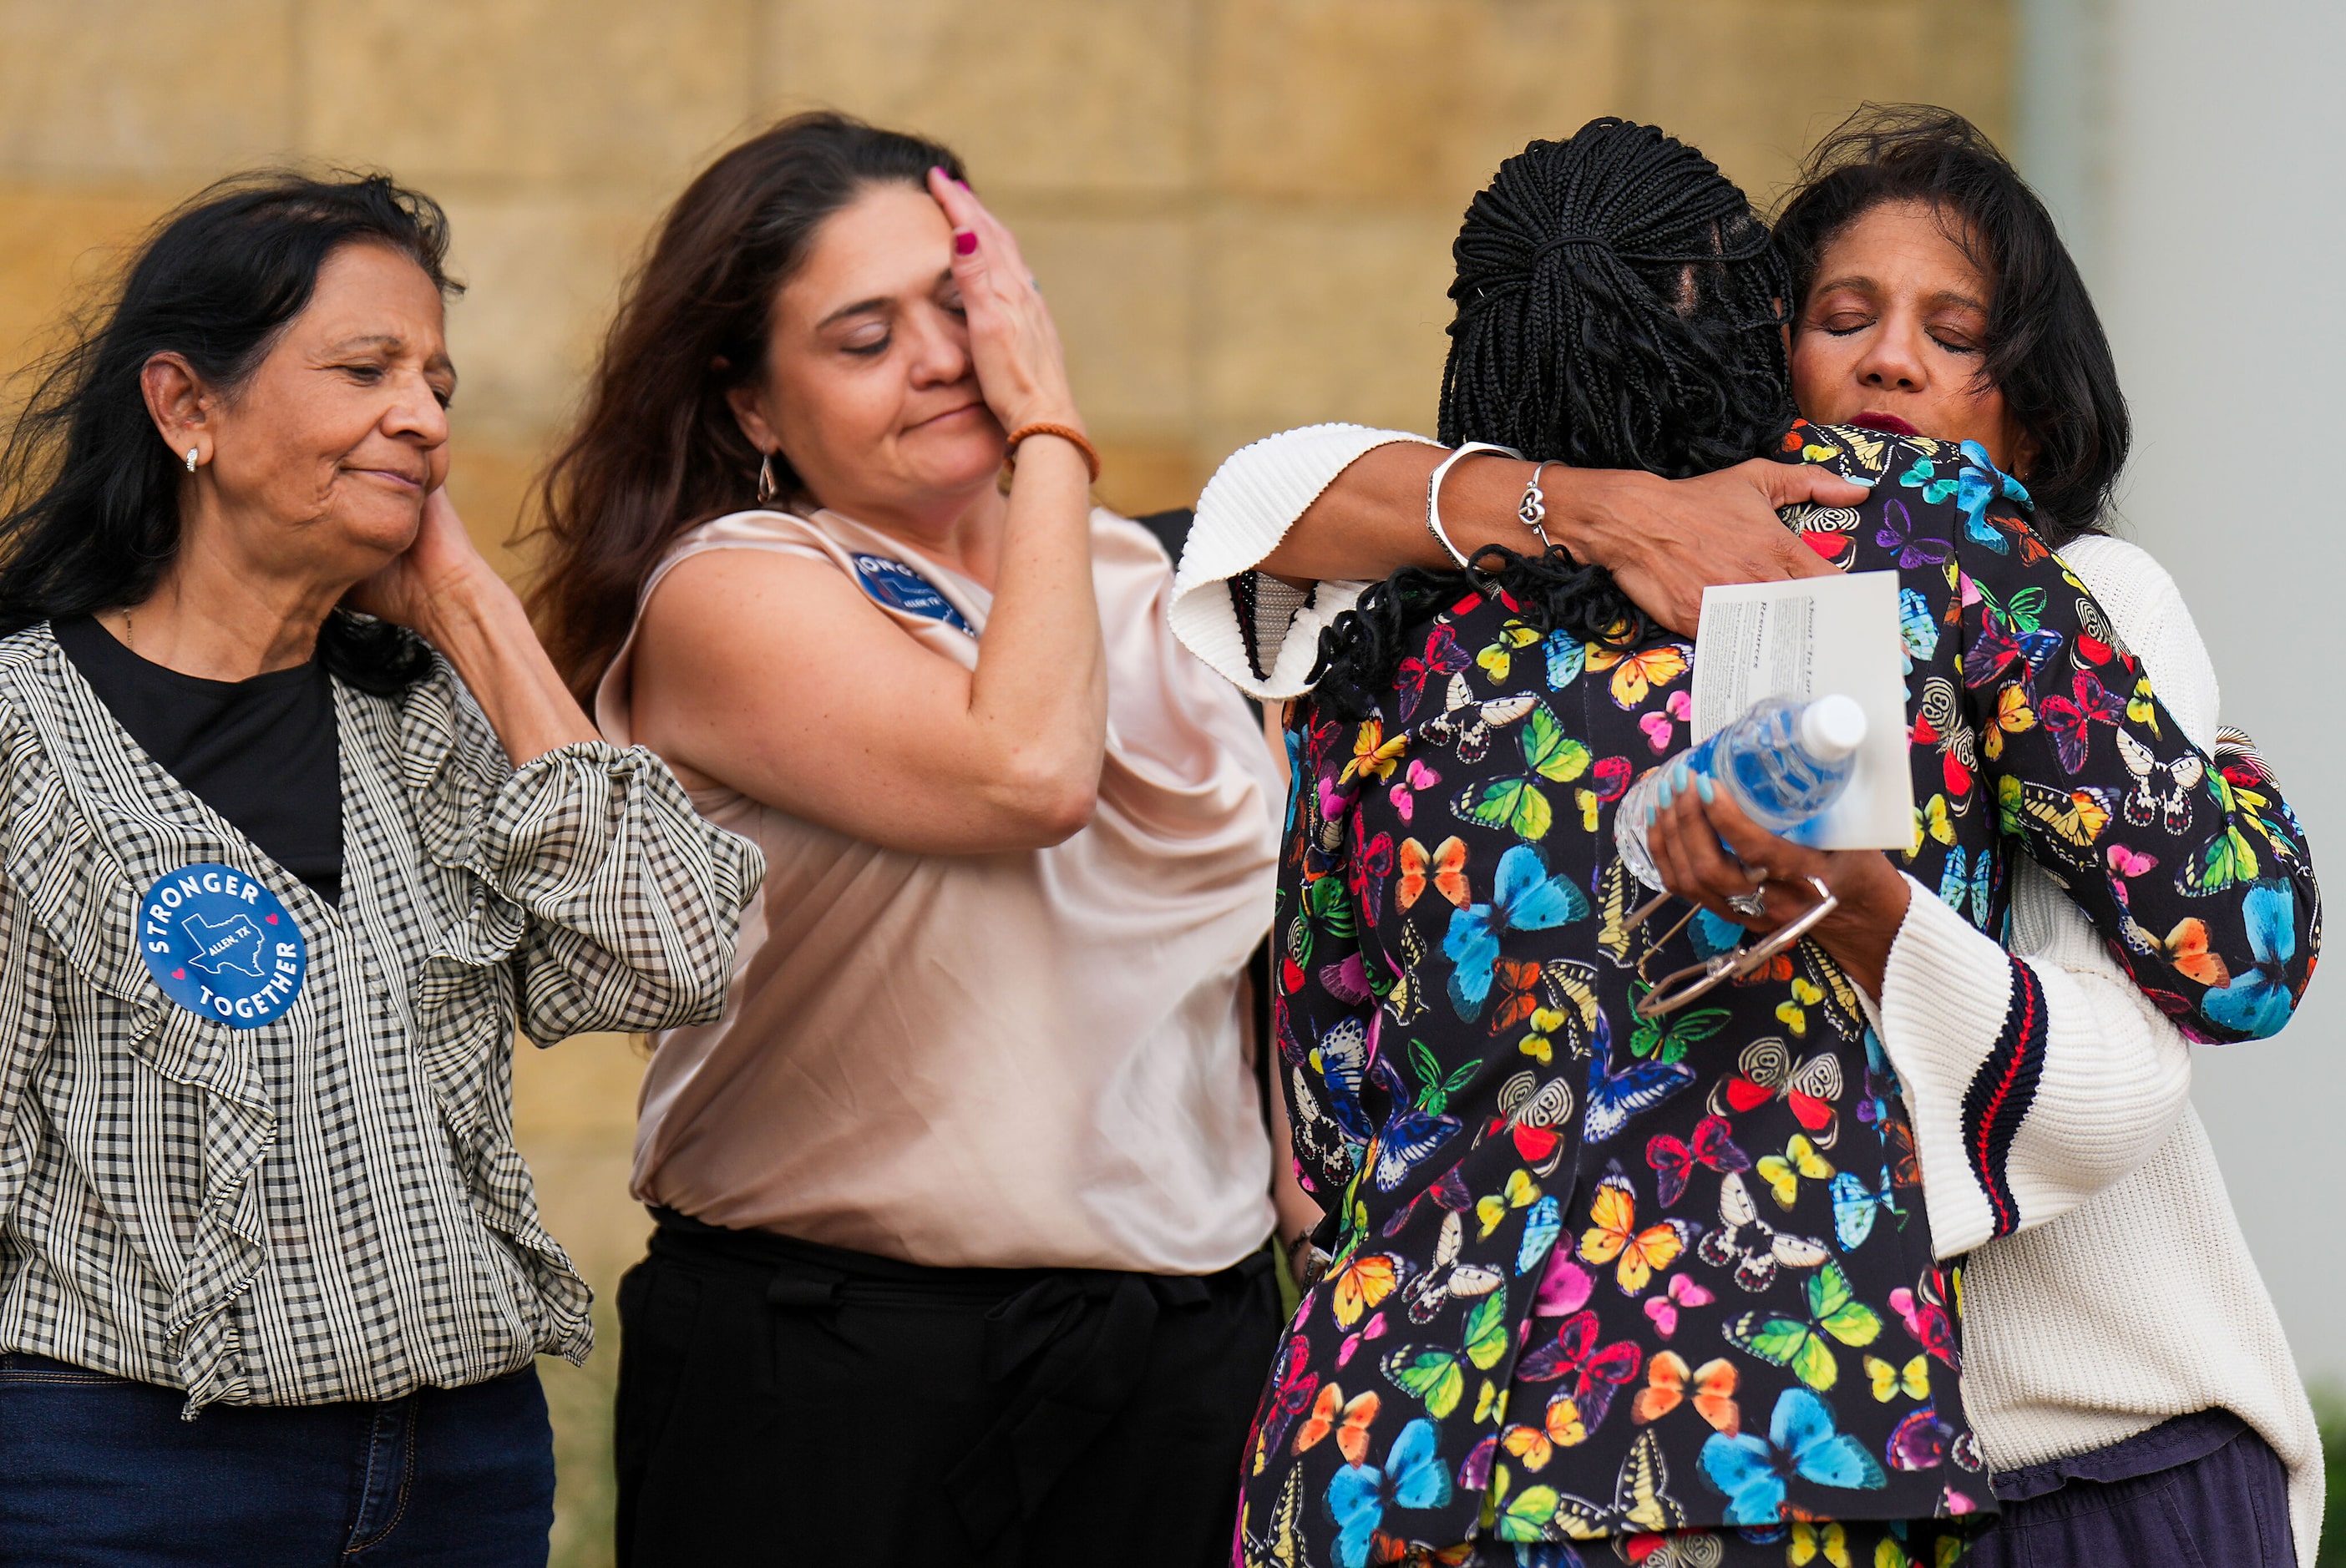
point(97, 1473)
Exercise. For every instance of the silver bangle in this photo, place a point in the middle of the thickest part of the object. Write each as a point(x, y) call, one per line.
point(1532, 510)
point(1433, 494)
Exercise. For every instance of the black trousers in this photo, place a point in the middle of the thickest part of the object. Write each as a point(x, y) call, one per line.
point(783, 1402)
point(2224, 1506)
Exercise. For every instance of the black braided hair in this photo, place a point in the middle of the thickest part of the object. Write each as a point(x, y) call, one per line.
point(1618, 306)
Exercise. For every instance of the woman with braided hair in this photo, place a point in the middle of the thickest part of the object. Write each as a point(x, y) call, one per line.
point(1648, 1293)
point(1567, 346)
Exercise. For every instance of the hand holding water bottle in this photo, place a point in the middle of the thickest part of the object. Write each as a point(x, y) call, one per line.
point(1708, 849)
point(1785, 760)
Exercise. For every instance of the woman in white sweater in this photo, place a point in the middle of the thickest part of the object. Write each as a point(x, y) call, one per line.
point(2123, 1425)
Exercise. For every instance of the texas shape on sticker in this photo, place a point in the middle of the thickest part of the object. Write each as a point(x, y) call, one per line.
point(221, 945)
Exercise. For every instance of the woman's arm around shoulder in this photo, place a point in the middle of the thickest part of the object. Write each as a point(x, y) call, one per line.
point(1343, 506)
point(1257, 631)
point(2188, 860)
point(2041, 1077)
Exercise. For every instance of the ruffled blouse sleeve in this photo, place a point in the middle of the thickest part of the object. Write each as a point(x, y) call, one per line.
point(1257, 633)
point(615, 902)
point(29, 983)
point(633, 901)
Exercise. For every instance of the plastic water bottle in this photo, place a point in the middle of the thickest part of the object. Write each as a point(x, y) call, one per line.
point(1785, 761)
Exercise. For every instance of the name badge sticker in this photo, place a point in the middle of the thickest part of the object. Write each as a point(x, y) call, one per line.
point(221, 945)
point(900, 588)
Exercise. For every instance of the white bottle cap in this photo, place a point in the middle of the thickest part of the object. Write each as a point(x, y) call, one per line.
point(1832, 727)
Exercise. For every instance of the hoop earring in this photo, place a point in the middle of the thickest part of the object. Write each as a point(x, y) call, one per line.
point(191, 459)
point(766, 492)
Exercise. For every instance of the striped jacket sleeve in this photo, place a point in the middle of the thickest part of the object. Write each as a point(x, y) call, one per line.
point(2042, 1076)
point(634, 900)
point(2036, 1079)
point(616, 903)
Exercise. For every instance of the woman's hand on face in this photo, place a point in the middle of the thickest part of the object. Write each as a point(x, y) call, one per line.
point(441, 588)
point(1685, 839)
point(427, 577)
point(1012, 338)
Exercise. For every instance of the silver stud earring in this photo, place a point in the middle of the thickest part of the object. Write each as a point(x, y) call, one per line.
point(191, 460)
point(766, 492)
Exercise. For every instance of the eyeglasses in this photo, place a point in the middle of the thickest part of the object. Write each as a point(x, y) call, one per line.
point(1675, 990)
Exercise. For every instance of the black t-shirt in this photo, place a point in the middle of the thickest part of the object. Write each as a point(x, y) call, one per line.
point(263, 753)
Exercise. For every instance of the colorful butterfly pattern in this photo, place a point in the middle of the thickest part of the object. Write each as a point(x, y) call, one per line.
point(1546, 1211)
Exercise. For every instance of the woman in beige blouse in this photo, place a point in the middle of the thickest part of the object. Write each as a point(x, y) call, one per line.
point(962, 1206)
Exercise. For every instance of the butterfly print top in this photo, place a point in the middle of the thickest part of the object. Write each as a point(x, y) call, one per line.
point(2038, 723)
point(1596, 1276)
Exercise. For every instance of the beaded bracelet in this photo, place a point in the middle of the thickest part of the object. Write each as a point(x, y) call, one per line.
point(1066, 432)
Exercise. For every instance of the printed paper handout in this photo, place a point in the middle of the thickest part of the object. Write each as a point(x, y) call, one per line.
point(1814, 637)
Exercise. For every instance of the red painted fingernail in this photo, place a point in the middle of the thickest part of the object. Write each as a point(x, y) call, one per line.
point(964, 241)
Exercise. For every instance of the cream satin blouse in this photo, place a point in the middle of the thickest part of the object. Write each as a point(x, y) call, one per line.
point(1035, 1058)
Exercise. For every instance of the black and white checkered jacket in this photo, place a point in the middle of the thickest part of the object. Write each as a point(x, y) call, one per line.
point(330, 1206)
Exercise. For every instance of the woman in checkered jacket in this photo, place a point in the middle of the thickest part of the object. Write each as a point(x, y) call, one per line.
point(296, 820)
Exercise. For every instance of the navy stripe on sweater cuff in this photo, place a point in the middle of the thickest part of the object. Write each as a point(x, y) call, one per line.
point(2000, 1093)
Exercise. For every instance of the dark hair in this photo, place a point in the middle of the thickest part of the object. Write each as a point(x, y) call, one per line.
point(1618, 306)
point(91, 509)
point(2046, 349)
point(657, 449)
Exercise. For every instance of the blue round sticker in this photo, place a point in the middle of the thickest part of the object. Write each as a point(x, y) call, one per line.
point(900, 588)
point(221, 945)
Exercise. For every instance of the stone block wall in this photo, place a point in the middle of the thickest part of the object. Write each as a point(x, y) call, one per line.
point(1240, 209)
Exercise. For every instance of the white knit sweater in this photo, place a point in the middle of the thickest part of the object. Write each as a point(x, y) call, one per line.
point(2126, 1295)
